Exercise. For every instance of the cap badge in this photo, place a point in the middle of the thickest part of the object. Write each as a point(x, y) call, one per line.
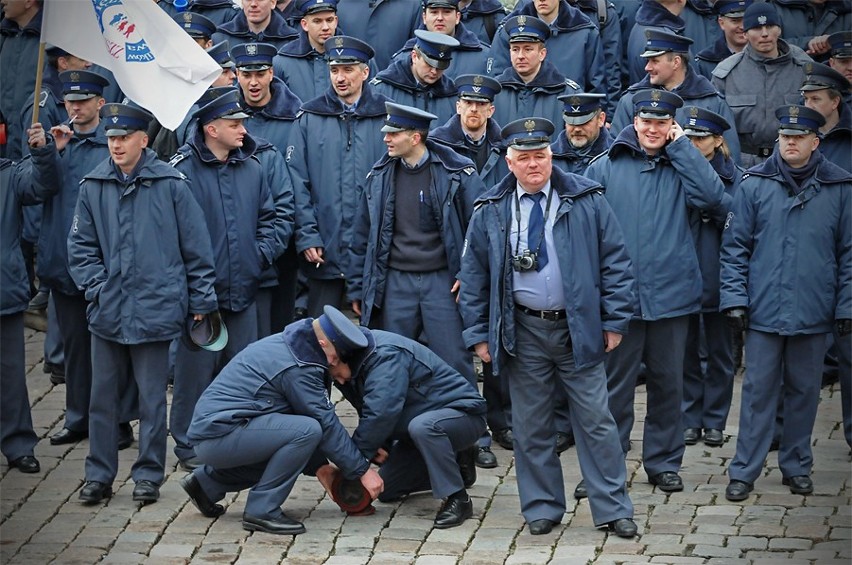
point(761, 20)
point(794, 110)
point(75, 77)
point(529, 125)
point(693, 112)
point(187, 17)
point(522, 20)
point(338, 42)
point(251, 49)
point(656, 96)
point(477, 80)
point(113, 110)
point(575, 101)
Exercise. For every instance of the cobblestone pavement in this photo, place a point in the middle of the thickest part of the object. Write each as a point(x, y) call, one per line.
point(43, 522)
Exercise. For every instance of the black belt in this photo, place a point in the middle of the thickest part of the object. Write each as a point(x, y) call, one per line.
point(549, 315)
point(759, 151)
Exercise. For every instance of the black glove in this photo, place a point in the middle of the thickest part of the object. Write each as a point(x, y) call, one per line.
point(737, 319)
point(844, 327)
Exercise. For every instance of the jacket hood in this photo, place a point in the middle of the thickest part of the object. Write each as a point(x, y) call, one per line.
point(654, 14)
point(33, 27)
point(568, 19)
point(628, 142)
point(300, 338)
point(452, 134)
point(483, 7)
point(566, 185)
point(716, 52)
point(284, 105)
point(548, 79)
point(152, 169)
point(399, 74)
point(468, 40)
point(370, 105)
point(724, 167)
point(442, 154)
point(239, 154)
point(301, 46)
point(693, 86)
point(826, 172)
point(837, 6)
point(562, 148)
point(277, 28)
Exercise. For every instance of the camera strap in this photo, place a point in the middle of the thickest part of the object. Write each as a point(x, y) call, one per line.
point(543, 224)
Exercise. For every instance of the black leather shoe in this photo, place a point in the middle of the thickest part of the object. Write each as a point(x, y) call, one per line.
point(65, 436)
point(713, 438)
point(485, 458)
point(199, 498)
point(26, 464)
point(190, 463)
point(801, 484)
point(146, 491)
point(580, 491)
point(93, 492)
point(691, 436)
point(467, 465)
point(455, 510)
point(738, 490)
point(125, 436)
point(667, 481)
point(504, 438)
point(541, 527)
point(623, 527)
point(564, 441)
point(282, 526)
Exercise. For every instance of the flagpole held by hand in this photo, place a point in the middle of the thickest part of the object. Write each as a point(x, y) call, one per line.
point(39, 72)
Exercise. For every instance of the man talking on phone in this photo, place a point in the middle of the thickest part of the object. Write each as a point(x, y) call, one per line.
point(653, 175)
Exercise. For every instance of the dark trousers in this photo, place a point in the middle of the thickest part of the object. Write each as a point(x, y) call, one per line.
point(17, 438)
point(284, 299)
point(426, 460)
point(266, 454)
point(194, 370)
point(536, 378)
point(495, 390)
point(322, 292)
point(660, 345)
point(707, 393)
point(77, 343)
point(775, 360)
point(844, 375)
point(115, 365)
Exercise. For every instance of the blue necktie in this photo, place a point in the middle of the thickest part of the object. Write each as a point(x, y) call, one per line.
point(535, 230)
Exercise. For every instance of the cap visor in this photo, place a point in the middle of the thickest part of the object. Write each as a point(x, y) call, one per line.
point(345, 61)
point(525, 39)
point(387, 128)
point(236, 116)
point(437, 63)
point(117, 132)
point(809, 87)
point(697, 133)
point(648, 54)
point(578, 119)
point(842, 55)
point(227, 65)
point(475, 97)
point(794, 131)
point(79, 95)
point(649, 115)
point(735, 15)
point(530, 146)
point(254, 67)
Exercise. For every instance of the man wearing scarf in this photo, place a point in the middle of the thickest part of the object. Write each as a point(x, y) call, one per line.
point(786, 278)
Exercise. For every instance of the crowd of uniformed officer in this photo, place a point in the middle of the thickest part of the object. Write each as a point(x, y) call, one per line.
point(338, 161)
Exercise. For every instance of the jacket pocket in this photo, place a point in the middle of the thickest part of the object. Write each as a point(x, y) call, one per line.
point(744, 108)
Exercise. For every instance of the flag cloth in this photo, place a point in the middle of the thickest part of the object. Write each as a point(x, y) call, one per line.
point(154, 61)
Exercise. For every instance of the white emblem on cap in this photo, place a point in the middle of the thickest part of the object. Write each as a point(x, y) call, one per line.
point(251, 49)
point(575, 109)
point(761, 20)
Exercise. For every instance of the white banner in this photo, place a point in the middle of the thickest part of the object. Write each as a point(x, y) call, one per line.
point(154, 61)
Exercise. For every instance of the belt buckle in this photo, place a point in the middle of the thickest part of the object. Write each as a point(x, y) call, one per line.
point(550, 315)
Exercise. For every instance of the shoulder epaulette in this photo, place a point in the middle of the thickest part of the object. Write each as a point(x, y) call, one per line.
point(177, 158)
